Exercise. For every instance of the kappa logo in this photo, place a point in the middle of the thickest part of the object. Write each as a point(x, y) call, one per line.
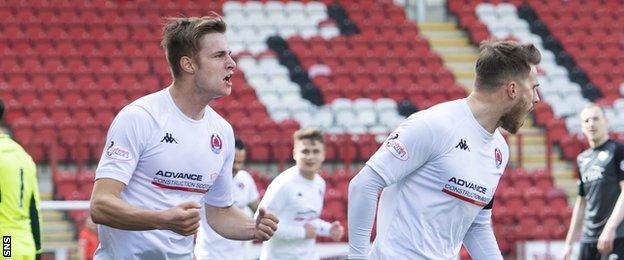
point(168, 139)
point(462, 145)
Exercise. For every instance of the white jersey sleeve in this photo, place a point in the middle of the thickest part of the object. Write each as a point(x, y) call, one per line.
point(405, 150)
point(363, 191)
point(220, 193)
point(323, 227)
point(480, 240)
point(129, 133)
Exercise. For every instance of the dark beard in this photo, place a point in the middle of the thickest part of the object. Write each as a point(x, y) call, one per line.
point(513, 120)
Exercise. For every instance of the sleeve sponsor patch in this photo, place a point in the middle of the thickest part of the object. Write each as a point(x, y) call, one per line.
point(118, 152)
point(396, 148)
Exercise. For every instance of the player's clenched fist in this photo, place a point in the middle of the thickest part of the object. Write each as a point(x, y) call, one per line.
point(310, 231)
point(266, 224)
point(336, 231)
point(182, 219)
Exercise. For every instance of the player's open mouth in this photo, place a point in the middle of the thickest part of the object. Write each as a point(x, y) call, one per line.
point(228, 80)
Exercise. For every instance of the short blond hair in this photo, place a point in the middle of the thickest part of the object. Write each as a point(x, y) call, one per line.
point(311, 134)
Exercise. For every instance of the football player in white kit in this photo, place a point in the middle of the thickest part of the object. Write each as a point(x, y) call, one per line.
point(296, 196)
point(167, 152)
point(440, 168)
point(210, 245)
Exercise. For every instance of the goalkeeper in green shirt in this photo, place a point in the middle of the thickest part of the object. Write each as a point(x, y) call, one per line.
point(19, 199)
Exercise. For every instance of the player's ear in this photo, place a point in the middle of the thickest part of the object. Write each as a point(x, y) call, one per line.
point(186, 63)
point(511, 88)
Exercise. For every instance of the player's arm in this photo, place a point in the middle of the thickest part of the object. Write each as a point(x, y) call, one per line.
point(107, 208)
point(405, 150)
point(35, 208)
point(363, 191)
point(576, 223)
point(326, 229)
point(232, 223)
point(605, 241)
point(126, 140)
point(479, 239)
point(285, 231)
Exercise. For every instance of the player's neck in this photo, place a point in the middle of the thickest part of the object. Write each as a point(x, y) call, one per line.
point(484, 110)
point(191, 104)
point(597, 142)
point(306, 174)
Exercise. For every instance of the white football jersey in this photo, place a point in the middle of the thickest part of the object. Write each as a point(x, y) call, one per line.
point(442, 168)
point(212, 246)
point(165, 158)
point(295, 201)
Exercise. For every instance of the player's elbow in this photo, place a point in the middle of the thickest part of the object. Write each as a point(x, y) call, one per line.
point(98, 210)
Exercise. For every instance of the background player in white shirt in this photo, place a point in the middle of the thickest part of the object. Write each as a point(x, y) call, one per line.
point(153, 173)
point(209, 244)
point(440, 168)
point(296, 197)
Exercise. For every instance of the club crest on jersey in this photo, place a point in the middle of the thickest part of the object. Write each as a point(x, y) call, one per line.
point(603, 155)
point(117, 152)
point(215, 143)
point(396, 148)
point(498, 158)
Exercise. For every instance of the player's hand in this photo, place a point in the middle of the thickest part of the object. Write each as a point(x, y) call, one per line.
point(567, 252)
point(266, 224)
point(310, 231)
point(605, 241)
point(336, 231)
point(182, 219)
